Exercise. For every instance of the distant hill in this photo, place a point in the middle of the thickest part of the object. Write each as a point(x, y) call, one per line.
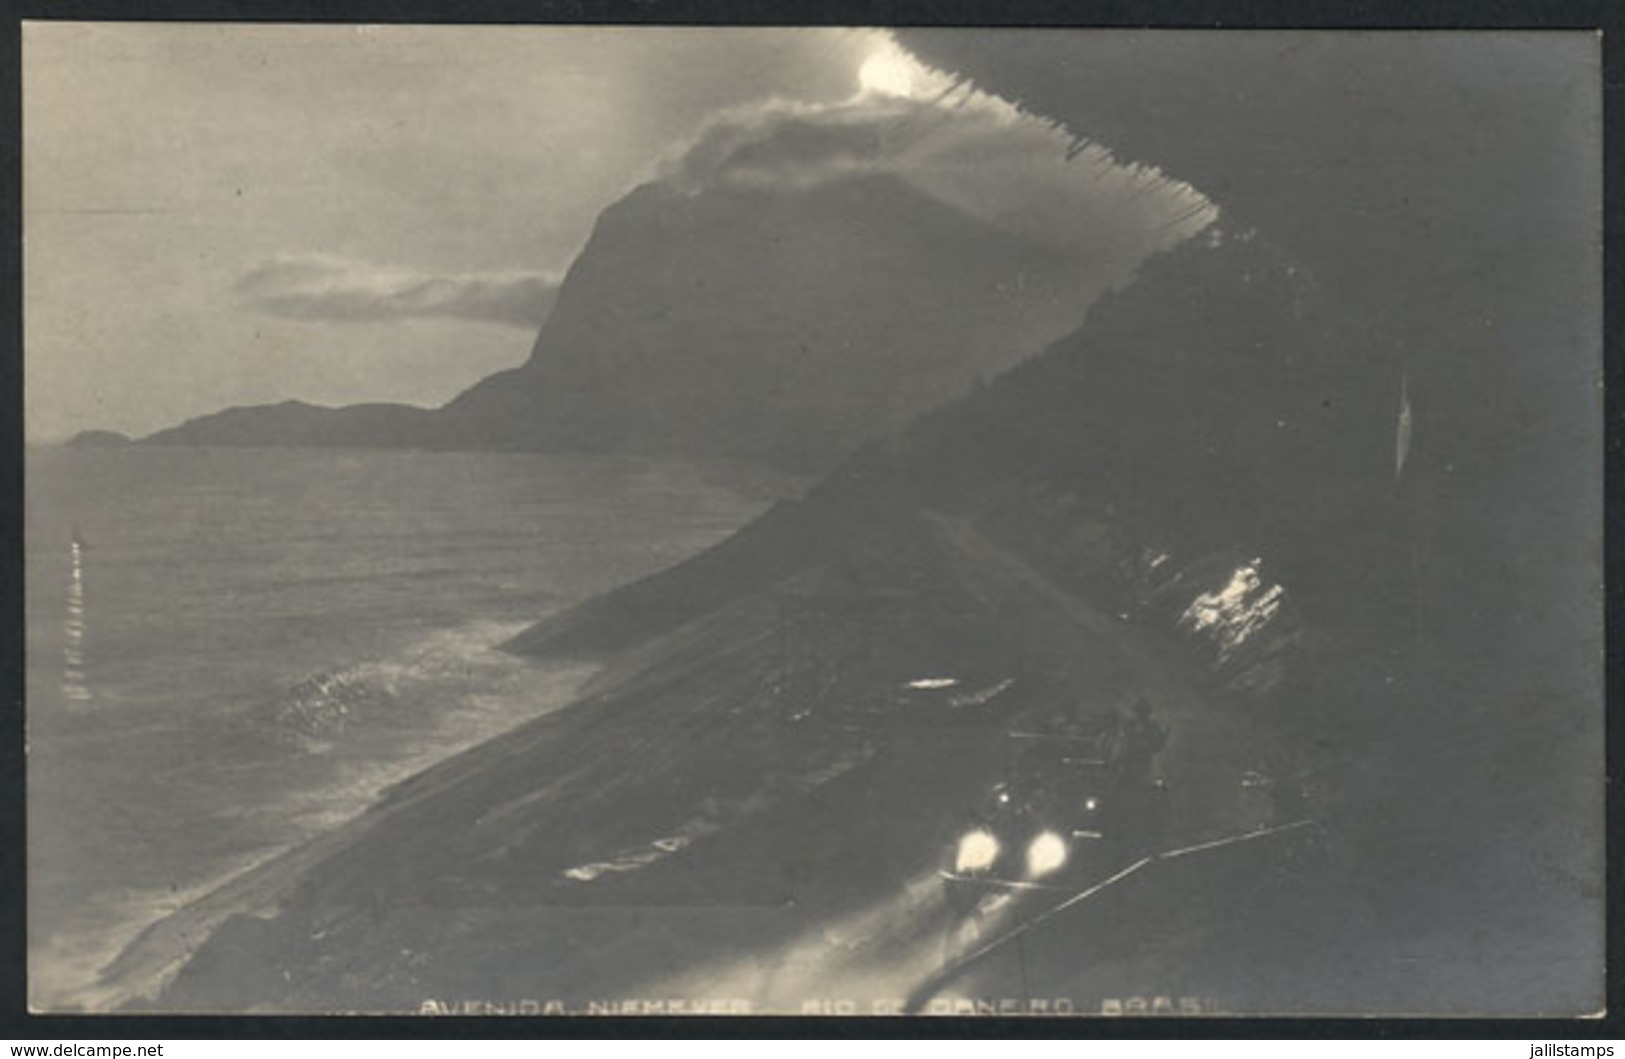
point(785, 326)
point(295, 423)
point(98, 439)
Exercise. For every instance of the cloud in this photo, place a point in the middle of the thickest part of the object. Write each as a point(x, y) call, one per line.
point(324, 287)
point(779, 142)
point(965, 147)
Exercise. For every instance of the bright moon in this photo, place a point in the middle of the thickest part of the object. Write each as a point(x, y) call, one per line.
point(887, 74)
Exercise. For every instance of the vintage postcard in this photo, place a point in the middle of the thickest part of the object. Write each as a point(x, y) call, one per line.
point(532, 520)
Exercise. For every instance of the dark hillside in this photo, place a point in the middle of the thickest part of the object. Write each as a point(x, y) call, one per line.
point(1240, 441)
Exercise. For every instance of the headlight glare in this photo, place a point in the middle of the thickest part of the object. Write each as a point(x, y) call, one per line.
point(1046, 854)
point(977, 851)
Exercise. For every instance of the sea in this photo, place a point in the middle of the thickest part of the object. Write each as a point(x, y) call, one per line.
point(233, 650)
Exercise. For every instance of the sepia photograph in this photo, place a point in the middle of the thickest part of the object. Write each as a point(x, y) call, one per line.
point(605, 520)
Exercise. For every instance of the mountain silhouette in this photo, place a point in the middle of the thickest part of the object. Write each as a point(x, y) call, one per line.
point(784, 325)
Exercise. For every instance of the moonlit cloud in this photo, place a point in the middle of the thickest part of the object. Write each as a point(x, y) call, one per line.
point(322, 287)
point(967, 148)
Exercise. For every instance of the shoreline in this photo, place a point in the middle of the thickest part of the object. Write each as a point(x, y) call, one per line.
point(148, 958)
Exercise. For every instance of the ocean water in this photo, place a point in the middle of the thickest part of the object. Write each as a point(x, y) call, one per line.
point(230, 651)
